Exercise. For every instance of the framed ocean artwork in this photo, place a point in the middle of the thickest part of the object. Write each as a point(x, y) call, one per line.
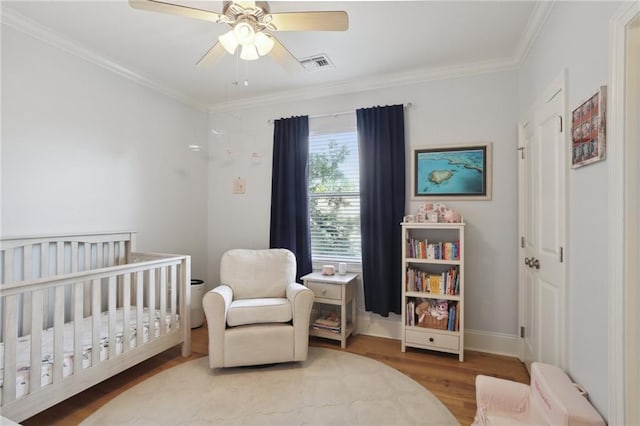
point(461, 172)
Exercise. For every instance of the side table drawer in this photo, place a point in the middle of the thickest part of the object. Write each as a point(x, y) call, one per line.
point(325, 290)
point(429, 339)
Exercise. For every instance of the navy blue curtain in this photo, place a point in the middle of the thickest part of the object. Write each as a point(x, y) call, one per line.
point(382, 198)
point(289, 191)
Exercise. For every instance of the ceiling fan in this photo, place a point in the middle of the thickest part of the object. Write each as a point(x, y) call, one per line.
point(251, 25)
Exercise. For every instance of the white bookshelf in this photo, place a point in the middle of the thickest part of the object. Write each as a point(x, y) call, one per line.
point(421, 270)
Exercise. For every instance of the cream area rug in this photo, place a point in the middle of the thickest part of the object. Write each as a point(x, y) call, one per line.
point(329, 388)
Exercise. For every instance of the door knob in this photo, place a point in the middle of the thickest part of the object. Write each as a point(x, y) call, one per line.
point(536, 263)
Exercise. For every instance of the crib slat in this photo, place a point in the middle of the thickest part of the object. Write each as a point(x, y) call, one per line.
point(95, 321)
point(126, 317)
point(74, 256)
point(58, 334)
point(139, 283)
point(10, 322)
point(163, 300)
point(78, 296)
point(151, 304)
point(173, 293)
point(44, 272)
point(87, 284)
point(36, 340)
point(112, 317)
point(120, 260)
point(60, 258)
point(185, 303)
point(122, 253)
point(27, 273)
point(112, 256)
point(99, 255)
point(8, 266)
point(44, 260)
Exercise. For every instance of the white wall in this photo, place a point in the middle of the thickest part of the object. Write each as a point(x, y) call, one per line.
point(576, 37)
point(473, 109)
point(85, 150)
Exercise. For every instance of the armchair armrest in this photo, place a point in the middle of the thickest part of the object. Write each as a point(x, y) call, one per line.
point(493, 394)
point(216, 304)
point(301, 299)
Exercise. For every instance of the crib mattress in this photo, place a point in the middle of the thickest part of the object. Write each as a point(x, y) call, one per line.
point(46, 376)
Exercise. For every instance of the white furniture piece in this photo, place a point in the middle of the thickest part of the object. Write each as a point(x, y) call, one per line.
point(552, 399)
point(337, 290)
point(78, 309)
point(433, 277)
point(258, 314)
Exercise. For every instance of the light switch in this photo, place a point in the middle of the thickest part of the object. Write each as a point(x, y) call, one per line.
point(239, 186)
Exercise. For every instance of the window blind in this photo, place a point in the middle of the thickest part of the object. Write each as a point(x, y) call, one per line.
point(334, 198)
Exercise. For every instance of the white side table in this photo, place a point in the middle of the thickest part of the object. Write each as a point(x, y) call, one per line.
point(337, 290)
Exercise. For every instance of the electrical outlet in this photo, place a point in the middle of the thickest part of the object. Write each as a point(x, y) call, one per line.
point(239, 186)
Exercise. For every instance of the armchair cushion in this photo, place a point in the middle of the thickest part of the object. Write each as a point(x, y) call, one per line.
point(257, 273)
point(259, 311)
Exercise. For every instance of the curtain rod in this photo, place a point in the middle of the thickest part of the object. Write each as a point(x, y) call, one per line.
point(336, 114)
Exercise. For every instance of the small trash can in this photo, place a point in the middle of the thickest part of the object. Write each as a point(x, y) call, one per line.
point(197, 293)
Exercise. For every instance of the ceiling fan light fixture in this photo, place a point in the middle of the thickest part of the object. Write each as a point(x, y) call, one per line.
point(244, 32)
point(264, 43)
point(249, 52)
point(229, 41)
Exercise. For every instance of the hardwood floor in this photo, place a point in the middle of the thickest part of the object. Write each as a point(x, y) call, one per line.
point(451, 381)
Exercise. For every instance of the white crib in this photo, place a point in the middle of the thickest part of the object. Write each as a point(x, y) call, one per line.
point(78, 309)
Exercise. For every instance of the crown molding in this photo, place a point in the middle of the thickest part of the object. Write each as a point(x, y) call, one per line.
point(541, 12)
point(537, 20)
point(29, 27)
point(373, 83)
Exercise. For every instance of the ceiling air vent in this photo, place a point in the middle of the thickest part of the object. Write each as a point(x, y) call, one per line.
point(317, 63)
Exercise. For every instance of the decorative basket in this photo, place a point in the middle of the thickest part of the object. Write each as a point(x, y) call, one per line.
point(429, 321)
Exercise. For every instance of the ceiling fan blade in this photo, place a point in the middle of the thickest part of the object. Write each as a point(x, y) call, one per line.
point(308, 21)
point(216, 52)
point(285, 58)
point(175, 9)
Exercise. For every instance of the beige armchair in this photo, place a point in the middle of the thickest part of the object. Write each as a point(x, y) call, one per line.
point(259, 314)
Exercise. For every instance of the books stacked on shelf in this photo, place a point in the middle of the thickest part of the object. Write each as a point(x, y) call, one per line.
point(417, 249)
point(330, 323)
point(422, 249)
point(447, 282)
point(433, 313)
point(411, 313)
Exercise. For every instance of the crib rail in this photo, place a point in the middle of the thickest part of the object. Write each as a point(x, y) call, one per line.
point(24, 258)
point(124, 282)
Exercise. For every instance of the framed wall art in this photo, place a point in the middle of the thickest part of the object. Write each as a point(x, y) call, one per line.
point(461, 172)
point(588, 130)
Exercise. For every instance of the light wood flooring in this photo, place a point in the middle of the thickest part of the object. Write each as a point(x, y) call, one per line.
point(451, 381)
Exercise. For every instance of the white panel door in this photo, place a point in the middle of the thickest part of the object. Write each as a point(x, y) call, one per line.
point(542, 216)
point(528, 225)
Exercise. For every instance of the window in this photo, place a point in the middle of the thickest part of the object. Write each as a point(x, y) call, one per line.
point(334, 197)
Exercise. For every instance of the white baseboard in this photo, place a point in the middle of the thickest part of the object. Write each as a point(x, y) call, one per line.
point(493, 343)
point(475, 340)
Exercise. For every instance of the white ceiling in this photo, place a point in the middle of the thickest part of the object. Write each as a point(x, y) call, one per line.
point(385, 41)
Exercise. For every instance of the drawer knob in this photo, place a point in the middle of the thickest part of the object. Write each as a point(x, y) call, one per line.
point(324, 291)
point(431, 339)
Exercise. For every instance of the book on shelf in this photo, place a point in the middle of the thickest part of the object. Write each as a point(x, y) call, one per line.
point(330, 322)
point(447, 282)
point(422, 249)
point(411, 313)
point(326, 328)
